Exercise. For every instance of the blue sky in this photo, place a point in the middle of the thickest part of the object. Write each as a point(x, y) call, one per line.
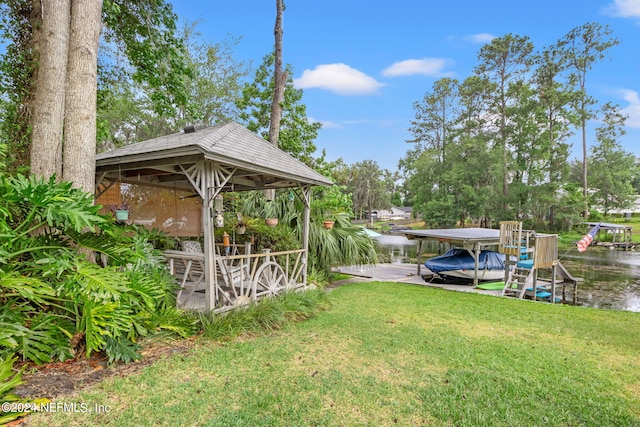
point(363, 63)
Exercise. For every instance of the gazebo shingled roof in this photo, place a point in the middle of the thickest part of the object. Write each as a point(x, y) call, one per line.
point(259, 164)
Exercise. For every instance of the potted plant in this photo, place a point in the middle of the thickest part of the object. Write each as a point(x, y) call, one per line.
point(270, 213)
point(328, 223)
point(121, 211)
point(242, 223)
point(330, 201)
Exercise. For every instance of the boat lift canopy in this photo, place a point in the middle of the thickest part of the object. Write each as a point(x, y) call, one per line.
point(471, 239)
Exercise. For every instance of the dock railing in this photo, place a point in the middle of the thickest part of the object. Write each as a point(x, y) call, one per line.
point(510, 238)
point(546, 252)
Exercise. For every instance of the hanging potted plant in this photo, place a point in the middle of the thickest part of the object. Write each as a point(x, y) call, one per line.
point(241, 224)
point(328, 223)
point(270, 213)
point(329, 202)
point(121, 211)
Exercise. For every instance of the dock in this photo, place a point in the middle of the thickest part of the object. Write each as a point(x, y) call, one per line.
point(620, 236)
point(400, 273)
point(406, 273)
point(532, 268)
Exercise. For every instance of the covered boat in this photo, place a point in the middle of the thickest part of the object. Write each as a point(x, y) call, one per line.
point(458, 265)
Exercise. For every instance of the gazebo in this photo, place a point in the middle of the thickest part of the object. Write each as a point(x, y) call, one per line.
point(208, 162)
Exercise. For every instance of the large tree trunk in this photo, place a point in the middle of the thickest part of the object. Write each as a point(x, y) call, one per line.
point(51, 37)
point(80, 109)
point(280, 79)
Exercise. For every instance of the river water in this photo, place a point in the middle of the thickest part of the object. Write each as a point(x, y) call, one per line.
point(611, 278)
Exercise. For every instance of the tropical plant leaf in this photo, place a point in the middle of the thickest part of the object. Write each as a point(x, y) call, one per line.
point(96, 283)
point(36, 345)
point(55, 203)
point(102, 320)
point(144, 288)
point(122, 350)
point(10, 379)
point(35, 290)
point(45, 339)
point(174, 320)
point(50, 292)
point(118, 252)
point(12, 318)
point(10, 333)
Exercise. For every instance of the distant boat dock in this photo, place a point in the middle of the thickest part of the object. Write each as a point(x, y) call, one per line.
point(620, 236)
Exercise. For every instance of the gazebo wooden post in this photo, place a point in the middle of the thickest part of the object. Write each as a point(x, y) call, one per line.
point(208, 190)
point(306, 218)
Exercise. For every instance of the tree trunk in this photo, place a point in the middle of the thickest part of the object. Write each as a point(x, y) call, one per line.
point(279, 79)
point(80, 109)
point(51, 37)
point(585, 158)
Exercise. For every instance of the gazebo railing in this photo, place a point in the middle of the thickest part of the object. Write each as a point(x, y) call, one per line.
point(241, 277)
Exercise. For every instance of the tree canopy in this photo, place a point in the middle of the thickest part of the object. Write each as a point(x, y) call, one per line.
point(496, 145)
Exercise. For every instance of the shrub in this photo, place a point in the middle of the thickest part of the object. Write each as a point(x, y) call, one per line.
point(54, 298)
point(344, 244)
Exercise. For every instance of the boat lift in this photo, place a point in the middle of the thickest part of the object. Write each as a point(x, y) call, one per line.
point(517, 244)
point(474, 240)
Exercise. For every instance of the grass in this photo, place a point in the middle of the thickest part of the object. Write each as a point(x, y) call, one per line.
point(269, 315)
point(394, 354)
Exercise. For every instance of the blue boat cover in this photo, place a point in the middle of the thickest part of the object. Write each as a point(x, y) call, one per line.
point(460, 259)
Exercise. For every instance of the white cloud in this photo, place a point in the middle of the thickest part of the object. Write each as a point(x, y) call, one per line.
point(329, 124)
point(624, 8)
point(633, 109)
point(338, 78)
point(431, 67)
point(481, 38)
point(345, 123)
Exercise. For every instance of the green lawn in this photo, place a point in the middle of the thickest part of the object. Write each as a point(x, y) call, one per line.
point(392, 354)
